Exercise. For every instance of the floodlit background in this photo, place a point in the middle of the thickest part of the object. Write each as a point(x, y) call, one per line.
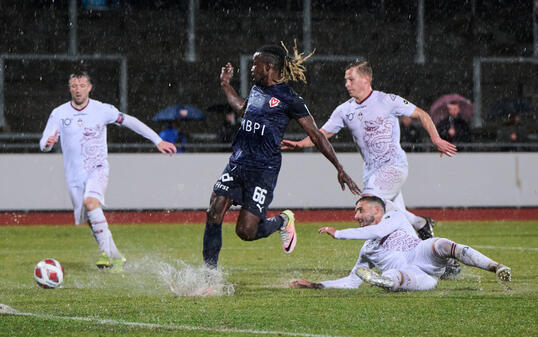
point(145, 56)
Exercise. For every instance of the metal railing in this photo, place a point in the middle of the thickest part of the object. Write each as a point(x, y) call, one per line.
point(206, 142)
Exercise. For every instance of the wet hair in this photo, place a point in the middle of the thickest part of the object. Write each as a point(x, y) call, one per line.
point(291, 68)
point(80, 74)
point(362, 67)
point(374, 199)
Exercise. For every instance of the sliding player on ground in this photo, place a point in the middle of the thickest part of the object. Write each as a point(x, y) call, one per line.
point(392, 246)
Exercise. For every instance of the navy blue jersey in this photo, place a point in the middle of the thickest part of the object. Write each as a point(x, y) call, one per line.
point(269, 110)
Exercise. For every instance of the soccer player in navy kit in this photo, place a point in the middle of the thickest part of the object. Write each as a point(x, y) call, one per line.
point(251, 174)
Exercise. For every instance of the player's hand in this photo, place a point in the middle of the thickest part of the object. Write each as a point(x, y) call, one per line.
point(328, 230)
point(445, 147)
point(52, 139)
point(226, 73)
point(344, 180)
point(289, 145)
point(166, 148)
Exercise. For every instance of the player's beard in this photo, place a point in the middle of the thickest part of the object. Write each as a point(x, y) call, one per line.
point(366, 220)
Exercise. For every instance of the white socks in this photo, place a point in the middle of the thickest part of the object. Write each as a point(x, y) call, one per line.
point(102, 234)
point(448, 249)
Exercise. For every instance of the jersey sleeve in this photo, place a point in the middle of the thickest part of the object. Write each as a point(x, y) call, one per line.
point(399, 106)
point(298, 108)
point(335, 122)
point(50, 129)
point(390, 222)
point(142, 129)
point(112, 114)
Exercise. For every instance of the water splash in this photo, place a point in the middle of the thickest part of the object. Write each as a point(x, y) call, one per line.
point(153, 276)
point(186, 280)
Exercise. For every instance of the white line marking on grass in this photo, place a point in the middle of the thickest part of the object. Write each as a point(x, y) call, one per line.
point(9, 311)
point(510, 248)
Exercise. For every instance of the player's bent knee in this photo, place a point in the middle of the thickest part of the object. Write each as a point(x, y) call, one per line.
point(213, 215)
point(245, 234)
point(443, 248)
point(91, 203)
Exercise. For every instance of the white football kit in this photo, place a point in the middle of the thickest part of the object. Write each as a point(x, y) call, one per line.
point(376, 131)
point(83, 139)
point(391, 244)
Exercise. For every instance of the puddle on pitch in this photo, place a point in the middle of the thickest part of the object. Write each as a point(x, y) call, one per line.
point(154, 276)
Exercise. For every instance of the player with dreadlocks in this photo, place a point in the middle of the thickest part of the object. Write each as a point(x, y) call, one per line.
point(252, 171)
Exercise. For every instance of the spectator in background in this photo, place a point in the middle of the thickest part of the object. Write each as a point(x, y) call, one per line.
point(454, 128)
point(409, 132)
point(228, 128)
point(513, 131)
point(172, 135)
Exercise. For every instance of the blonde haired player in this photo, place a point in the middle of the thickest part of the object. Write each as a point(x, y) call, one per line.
point(392, 246)
point(372, 118)
point(80, 125)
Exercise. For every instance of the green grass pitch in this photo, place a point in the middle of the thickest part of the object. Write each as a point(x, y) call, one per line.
point(139, 303)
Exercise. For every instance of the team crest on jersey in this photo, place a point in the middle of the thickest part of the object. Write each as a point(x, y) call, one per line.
point(273, 102)
point(79, 122)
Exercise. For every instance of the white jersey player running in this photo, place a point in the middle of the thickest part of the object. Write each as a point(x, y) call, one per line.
point(392, 246)
point(80, 124)
point(372, 118)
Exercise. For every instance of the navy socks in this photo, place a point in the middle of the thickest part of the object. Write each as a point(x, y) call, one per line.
point(212, 244)
point(269, 226)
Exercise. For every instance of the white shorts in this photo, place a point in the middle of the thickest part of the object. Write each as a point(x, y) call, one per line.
point(95, 187)
point(412, 278)
point(386, 182)
point(422, 256)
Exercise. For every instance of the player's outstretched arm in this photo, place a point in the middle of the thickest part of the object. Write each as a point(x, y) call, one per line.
point(323, 145)
point(142, 129)
point(303, 143)
point(304, 284)
point(328, 230)
point(442, 145)
point(166, 148)
point(234, 100)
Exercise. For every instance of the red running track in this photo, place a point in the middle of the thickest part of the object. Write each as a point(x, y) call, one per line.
point(130, 217)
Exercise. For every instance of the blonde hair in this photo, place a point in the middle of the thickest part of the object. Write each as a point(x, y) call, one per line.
point(293, 68)
point(362, 68)
point(290, 67)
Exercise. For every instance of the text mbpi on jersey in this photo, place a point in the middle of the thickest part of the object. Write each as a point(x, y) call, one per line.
point(250, 126)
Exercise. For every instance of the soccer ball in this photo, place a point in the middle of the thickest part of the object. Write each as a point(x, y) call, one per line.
point(49, 273)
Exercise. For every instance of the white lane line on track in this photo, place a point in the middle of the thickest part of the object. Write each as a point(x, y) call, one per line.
point(510, 248)
point(162, 326)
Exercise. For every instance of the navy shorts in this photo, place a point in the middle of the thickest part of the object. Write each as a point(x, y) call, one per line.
point(252, 189)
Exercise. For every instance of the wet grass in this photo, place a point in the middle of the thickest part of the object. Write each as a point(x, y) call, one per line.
point(256, 298)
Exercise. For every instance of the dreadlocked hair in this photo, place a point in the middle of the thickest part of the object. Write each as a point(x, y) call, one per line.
point(293, 68)
point(290, 67)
